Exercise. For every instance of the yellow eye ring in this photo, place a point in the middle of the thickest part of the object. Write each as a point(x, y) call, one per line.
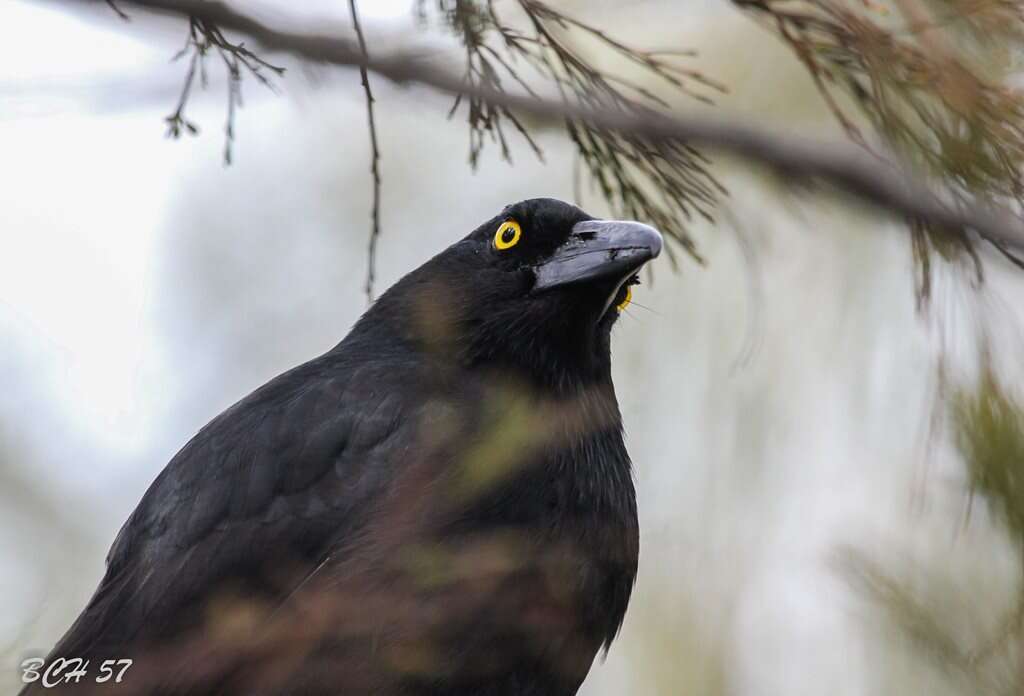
point(626, 300)
point(507, 235)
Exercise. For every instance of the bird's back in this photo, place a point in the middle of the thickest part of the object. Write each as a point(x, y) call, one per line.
point(402, 529)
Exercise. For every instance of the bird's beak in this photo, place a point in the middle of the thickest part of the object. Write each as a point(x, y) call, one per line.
point(599, 249)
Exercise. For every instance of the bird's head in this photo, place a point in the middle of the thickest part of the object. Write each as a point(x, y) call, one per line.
point(538, 287)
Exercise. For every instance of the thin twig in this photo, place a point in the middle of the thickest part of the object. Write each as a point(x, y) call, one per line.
point(375, 156)
point(203, 38)
point(117, 10)
point(799, 159)
point(1009, 256)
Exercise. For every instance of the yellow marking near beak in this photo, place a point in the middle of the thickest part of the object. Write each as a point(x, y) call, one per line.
point(625, 302)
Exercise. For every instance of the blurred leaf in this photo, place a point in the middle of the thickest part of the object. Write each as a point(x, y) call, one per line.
point(991, 437)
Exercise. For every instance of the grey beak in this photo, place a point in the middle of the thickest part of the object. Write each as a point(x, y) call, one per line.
point(598, 249)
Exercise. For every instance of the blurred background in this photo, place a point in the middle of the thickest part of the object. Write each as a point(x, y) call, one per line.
point(806, 509)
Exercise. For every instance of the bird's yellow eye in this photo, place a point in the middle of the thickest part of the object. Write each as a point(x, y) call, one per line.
point(507, 235)
point(625, 300)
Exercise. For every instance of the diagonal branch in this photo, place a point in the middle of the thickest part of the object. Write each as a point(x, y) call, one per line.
point(799, 160)
point(374, 157)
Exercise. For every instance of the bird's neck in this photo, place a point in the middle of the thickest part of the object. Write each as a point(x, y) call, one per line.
point(558, 359)
point(561, 357)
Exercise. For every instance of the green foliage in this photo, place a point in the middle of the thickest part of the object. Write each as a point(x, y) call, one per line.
point(924, 95)
point(991, 437)
point(940, 624)
point(919, 621)
point(542, 50)
point(933, 86)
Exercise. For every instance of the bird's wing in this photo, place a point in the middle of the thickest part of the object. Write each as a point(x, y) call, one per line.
point(250, 504)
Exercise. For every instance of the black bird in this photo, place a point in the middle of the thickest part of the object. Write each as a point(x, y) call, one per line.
point(442, 504)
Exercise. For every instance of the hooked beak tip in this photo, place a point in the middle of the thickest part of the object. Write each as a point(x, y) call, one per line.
point(599, 249)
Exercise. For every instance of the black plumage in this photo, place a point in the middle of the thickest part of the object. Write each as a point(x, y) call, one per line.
point(441, 504)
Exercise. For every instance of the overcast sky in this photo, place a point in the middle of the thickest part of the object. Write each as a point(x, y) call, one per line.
point(88, 175)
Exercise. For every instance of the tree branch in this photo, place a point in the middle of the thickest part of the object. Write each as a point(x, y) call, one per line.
point(374, 156)
point(799, 160)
